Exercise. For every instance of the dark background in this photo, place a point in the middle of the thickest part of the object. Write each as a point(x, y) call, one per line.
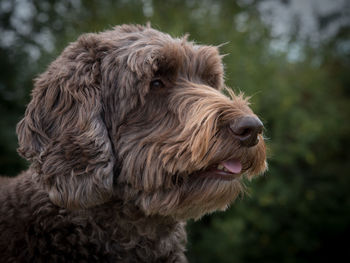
point(291, 57)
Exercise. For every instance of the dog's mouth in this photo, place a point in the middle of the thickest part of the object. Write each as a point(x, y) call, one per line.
point(227, 170)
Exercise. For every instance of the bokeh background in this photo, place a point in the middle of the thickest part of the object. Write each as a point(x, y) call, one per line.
point(291, 56)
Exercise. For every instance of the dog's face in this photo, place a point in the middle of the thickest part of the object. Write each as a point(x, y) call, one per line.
point(135, 113)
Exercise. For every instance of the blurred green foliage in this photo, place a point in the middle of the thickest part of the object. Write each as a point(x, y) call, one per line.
point(300, 210)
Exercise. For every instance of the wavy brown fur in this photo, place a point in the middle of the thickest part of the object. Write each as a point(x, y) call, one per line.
point(116, 161)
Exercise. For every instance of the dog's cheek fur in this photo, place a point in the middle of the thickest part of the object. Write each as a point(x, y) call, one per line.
point(62, 132)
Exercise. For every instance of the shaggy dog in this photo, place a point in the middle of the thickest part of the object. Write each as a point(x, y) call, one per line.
point(128, 135)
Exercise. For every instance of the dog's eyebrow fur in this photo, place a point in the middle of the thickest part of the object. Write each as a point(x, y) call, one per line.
point(200, 62)
point(210, 66)
point(170, 60)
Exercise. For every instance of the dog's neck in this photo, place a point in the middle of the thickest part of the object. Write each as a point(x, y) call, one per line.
point(139, 234)
point(152, 226)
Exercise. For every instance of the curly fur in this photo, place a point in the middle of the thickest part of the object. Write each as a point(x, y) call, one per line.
point(118, 165)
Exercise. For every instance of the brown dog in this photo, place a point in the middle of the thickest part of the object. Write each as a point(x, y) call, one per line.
point(128, 136)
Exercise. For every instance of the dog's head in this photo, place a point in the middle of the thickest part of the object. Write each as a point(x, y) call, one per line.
point(135, 113)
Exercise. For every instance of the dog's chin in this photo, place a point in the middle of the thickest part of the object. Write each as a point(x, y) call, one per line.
point(196, 197)
point(208, 195)
point(216, 187)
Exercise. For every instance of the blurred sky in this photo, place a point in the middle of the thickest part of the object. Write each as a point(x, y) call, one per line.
point(284, 17)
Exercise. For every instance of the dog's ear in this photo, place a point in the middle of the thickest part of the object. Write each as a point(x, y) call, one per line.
point(63, 131)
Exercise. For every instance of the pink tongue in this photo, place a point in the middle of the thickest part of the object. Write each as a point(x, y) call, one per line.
point(233, 165)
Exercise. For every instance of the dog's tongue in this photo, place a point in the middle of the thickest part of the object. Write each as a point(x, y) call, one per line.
point(233, 165)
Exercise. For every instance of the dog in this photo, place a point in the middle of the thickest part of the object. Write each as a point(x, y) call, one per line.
point(129, 135)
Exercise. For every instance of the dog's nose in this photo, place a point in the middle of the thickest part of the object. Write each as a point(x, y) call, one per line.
point(247, 129)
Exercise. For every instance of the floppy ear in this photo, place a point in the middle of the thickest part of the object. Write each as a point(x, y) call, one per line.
point(63, 132)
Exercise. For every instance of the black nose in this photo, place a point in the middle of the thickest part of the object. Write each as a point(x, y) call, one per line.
point(247, 129)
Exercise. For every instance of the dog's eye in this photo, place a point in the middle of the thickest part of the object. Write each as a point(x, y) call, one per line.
point(156, 84)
